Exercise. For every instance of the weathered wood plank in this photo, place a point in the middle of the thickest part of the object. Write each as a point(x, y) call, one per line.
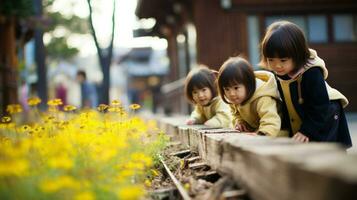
point(233, 194)
point(283, 165)
point(274, 168)
point(197, 165)
point(194, 136)
point(181, 153)
point(193, 159)
point(202, 140)
point(183, 135)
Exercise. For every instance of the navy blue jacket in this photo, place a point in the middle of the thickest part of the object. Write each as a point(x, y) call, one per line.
point(322, 119)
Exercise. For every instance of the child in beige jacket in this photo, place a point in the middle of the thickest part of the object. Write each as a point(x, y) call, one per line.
point(253, 97)
point(200, 90)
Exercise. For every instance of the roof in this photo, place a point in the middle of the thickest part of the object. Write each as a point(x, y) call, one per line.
point(152, 8)
point(169, 14)
point(145, 62)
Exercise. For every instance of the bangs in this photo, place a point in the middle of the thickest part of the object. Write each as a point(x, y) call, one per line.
point(230, 77)
point(278, 46)
point(229, 81)
point(198, 81)
point(284, 39)
point(236, 71)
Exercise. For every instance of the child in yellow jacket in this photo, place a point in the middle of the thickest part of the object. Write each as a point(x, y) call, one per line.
point(200, 89)
point(253, 97)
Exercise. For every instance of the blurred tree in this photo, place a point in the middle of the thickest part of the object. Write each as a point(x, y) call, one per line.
point(58, 48)
point(105, 54)
point(19, 8)
point(19, 21)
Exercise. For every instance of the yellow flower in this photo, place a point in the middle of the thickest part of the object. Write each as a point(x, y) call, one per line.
point(84, 196)
point(182, 164)
point(14, 108)
point(116, 102)
point(50, 118)
point(5, 119)
point(25, 128)
point(155, 172)
point(107, 154)
point(61, 162)
point(16, 167)
point(134, 106)
point(102, 107)
point(131, 192)
point(51, 186)
point(38, 128)
point(52, 109)
point(124, 174)
point(69, 108)
point(147, 183)
point(58, 101)
point(33, 101)
point(141, 158)
point(54, 102)
point(114, 109)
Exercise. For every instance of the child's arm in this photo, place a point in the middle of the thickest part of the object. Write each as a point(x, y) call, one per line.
point(242, 127)
point(300, 137)
point(270, 121)
point(223, 116)
point(190, 121)
point(237, 118)
point(316, 104)
point(196, 117)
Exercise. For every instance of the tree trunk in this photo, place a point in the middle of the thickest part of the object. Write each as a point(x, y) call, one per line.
point(104, 54)
point(8, 63)
point(40, 58)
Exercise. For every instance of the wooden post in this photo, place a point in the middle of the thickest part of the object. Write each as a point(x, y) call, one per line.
point(8, 62)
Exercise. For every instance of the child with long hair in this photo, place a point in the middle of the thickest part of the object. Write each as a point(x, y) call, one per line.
point(312, 109)
point(253, 97)
point(200, 90)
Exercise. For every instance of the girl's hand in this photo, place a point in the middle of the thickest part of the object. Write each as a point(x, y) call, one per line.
point(252, 133)
point(206, 124)
point(190, 122)
point(241, 127)
point(299, 137)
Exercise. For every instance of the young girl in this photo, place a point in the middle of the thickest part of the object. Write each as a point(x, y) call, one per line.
point(253, 97)
point(201, 90)
point(311, 107)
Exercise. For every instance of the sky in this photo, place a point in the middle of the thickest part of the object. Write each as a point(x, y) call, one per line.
point(125, 22)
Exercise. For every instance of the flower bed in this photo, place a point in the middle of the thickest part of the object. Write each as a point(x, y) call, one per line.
point(104, 154)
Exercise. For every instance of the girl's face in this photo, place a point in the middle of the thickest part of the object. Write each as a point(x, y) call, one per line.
point(281, 66)
point(235, 94)
point(202, 96)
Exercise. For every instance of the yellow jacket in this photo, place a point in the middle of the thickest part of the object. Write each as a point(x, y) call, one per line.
point(260, 112)
point(216, 114)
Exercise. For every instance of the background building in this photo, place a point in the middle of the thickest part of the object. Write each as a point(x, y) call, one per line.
point(143, 69)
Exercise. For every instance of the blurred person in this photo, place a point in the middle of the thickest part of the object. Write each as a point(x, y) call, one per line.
point(89, 97)
point(312, 108)
point(24, 95)
point(61, 93)
point(61, 89)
